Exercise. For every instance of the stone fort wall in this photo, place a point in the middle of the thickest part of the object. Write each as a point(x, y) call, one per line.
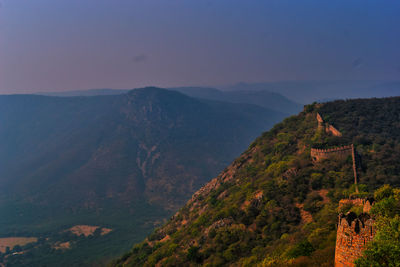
point(353, 234)
point(319, 154)
point(365, 203)
point(328, 128)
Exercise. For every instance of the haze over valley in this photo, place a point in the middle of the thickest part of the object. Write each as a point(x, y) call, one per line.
point(199, 133)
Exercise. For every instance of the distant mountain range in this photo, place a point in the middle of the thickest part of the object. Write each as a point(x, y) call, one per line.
point(263, 98)
point(270, 100)
point(89, 92)
point(306, 92)
point(281, 96)
point(122, 161)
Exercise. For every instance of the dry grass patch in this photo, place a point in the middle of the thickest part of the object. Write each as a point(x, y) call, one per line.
point(306, 217)
point(324, 194)
point(88, 230)
point(63, 245)
point(11, 242)
point(85, 230)
point(105, 231)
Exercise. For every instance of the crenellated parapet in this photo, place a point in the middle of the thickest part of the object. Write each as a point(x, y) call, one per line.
point(353, 233)
point(337, 152)
point(365, 203)
point(342, 151)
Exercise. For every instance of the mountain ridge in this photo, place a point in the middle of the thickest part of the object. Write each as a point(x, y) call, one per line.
point(322, 91)
point(261, 98)
point(121, 162)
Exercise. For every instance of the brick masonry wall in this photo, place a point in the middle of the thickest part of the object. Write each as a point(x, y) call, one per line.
point(319, 154)
point(365, 203)
point(353, 234)
point(330, 129)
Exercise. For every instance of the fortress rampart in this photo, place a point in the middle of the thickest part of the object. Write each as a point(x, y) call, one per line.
point(328, 128)
point(319, 154)
point(365, 203)
point(354, 232)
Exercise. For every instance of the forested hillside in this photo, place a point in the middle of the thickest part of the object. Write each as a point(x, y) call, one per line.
point(274, 206)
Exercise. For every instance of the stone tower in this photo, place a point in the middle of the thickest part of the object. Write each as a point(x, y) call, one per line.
point(353, 234)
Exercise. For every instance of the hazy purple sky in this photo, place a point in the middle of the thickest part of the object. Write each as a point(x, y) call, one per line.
point(56, 45)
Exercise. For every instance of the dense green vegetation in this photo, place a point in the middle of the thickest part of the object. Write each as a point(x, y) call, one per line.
point(384, 250)
point(125, 162)
point(275, 207)
point(128, 225)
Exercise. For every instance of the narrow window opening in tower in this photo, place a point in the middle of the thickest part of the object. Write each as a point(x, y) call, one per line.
point(357, 227)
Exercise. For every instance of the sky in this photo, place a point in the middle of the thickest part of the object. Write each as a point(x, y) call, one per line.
point(59, 45)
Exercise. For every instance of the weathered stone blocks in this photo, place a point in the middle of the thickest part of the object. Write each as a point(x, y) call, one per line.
point(353, 234)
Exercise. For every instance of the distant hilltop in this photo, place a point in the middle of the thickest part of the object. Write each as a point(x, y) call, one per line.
point(263, 98)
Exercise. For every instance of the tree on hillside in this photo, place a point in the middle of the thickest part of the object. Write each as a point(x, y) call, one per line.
point(384, 250)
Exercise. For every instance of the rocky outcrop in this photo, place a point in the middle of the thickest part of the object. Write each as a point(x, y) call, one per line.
point(218, 224)
point(226, 176)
